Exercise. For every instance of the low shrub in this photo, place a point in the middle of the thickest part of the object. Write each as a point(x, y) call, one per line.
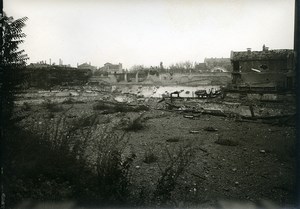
point(142, 108)
point(85, 121)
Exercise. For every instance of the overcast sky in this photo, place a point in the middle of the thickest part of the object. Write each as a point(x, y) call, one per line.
point(148, 32)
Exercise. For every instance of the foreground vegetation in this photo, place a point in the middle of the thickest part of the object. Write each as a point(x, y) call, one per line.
point(131, 158)
point(81, 159)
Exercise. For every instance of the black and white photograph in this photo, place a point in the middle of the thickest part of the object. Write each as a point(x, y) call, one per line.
point(148, 104)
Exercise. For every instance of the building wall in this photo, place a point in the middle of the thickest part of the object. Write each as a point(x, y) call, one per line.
point(276, 79)
point(273, 65)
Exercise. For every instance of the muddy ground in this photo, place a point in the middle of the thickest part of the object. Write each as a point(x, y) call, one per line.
point(226, 159)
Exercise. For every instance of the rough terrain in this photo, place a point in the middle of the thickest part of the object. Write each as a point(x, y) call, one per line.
point(228, 159)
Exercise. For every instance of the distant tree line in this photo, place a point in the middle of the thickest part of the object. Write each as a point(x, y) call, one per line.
point(56, 76)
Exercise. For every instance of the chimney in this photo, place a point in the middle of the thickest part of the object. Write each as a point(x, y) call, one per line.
point(248, 50)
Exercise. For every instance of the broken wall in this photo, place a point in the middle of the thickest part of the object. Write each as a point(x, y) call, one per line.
point(272, 65)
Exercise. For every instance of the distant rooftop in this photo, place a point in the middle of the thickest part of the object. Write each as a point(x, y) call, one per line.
point(86, 66)
point(215, 59)
point(265, 54)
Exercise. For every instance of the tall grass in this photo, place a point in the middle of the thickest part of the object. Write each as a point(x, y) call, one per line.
point(67, 160)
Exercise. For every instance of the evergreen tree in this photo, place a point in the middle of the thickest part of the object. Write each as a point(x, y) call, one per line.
point(12, 60)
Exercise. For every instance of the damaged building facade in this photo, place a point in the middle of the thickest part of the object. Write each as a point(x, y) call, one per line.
point(268, 70)
point(218, 64)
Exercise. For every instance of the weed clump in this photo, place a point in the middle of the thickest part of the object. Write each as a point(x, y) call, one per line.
point(26, 106)
point(71, 101)
point(173, 139)
point(102, 106)
point(108, 107)
point(135, 125)
point(74, 161)
point(150, 157)
point(170, 175)
point(226, 142)
point(85, 121)
point(52, 107)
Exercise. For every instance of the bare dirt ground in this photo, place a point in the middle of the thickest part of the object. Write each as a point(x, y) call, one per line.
point(251, 162)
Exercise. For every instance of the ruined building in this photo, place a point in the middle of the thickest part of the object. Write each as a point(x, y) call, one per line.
point(87, 66)
point(265, 70)
point(111, 68)
point(218, 64)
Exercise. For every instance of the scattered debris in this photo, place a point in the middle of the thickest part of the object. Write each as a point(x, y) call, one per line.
point(161, 100)
point(188, 116)
point(194, 132)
